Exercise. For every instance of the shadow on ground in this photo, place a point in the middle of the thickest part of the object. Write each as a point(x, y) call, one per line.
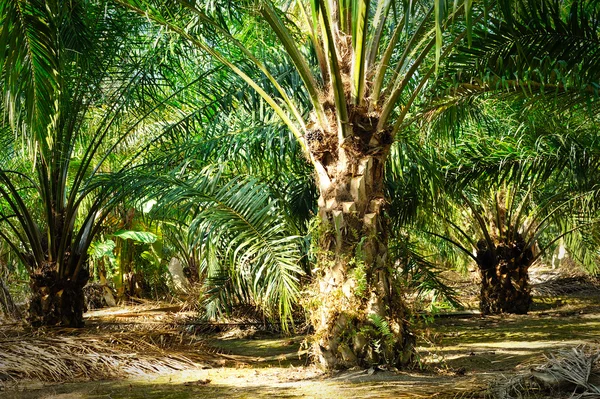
point(247, 384)
point(462, 355)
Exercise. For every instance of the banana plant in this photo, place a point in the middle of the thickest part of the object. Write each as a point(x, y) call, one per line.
point(125, 250)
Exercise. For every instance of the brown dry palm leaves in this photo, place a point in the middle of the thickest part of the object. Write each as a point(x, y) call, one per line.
point(60, 358)
point(570, 373)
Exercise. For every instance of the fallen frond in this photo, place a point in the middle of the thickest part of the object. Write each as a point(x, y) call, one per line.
point(570, 373)
point(578, 368)
point(60, 358)
point(562, 285)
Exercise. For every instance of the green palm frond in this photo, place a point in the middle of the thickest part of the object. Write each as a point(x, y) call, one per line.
point(412, 180)
point(582, 246)
point(505, 140)
point(242, 235)
point(80, 85)
point(421, 272)
point(29, 61)
point(256, 239)
point(542, 49)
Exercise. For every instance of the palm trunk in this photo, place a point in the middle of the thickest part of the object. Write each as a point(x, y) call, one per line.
point(6, 302)
point(56, 300)
point(358, 312)
point(505, 278)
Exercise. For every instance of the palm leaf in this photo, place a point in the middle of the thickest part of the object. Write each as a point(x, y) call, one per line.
point(29, 61)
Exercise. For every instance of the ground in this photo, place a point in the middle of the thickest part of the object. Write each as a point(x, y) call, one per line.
point(460, 354)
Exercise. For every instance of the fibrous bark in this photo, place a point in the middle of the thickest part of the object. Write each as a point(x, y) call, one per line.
point(357, 308)
point(504, 277)
point(57, 300)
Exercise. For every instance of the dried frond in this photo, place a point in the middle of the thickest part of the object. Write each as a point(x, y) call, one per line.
point(60, 358)
point(562, 285)
point(570, 373)
point(578, 367)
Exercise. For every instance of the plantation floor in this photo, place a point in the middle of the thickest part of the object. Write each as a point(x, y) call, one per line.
point(459, 355)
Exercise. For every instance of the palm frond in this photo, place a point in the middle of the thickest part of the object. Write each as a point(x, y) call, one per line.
point(257, 243)
point(544, 50)
point(241, 232)
point(29, 63)
point(421, 273)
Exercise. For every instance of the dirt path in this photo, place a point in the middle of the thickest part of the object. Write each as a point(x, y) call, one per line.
point(462, 355)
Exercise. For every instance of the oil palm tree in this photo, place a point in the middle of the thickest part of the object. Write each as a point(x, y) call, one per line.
point(75, 87)
point(503, 241)
point(361, 65)
point(540, 56)
point(517, 189)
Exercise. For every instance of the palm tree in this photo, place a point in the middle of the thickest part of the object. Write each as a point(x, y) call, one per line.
point(75, 85)
point(516, 193)
point(362, 65)
point(504, 248)
point(542, 57)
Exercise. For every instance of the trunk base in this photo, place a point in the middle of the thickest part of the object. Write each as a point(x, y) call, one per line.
point(505, 278)
point(499, 299)
point(360, 319)
point(365, 342)
point(56, 301)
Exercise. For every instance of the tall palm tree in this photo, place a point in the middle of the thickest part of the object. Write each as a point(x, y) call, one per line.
point(362, 65)
point(75, 84)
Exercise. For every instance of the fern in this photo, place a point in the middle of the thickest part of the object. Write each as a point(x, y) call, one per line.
point(383, 328)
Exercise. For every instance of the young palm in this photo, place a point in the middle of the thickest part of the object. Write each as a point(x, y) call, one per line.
point(542, 54)
point(234, 228)
point(74, 85)
point(516, 193)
